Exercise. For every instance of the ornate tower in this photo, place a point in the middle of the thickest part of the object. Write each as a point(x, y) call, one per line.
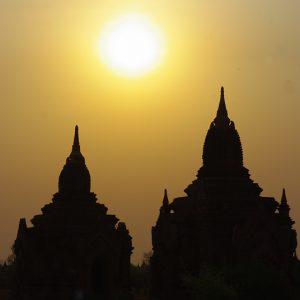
point(223, 221)
point(75, 250)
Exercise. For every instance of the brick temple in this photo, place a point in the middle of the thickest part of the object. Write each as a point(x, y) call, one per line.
point(223, 220)
point(74, 250)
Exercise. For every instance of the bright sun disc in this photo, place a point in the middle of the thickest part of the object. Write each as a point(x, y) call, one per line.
point(131, 45)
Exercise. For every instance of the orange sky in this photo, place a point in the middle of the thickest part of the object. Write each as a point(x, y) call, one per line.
point(141, 135)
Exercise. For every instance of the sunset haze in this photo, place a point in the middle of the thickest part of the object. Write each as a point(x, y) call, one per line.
point(142, 134)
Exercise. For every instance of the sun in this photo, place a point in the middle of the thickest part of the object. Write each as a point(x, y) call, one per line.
point(131, 45)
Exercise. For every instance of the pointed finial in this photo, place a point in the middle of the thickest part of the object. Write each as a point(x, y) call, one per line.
point(222, 111)
point(76, 145)
point(283, 203)
point(284, 210)
point(222, 92)
point(166, 199)
point(283, 197)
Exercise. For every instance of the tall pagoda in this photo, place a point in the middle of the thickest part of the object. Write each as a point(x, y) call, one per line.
point(222, 221)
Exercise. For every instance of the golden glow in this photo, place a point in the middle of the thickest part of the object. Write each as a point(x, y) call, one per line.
point(131, 45)
point(145, 133)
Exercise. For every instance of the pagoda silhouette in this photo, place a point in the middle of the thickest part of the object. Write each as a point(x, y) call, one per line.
point(75, 250)
point(222, 221)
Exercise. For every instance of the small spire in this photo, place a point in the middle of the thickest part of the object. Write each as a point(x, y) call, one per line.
point(76, 145)
point(221, 119)
point(22, 226)
point(164, 209)
point(283, 197)
point(222, 111)
point(75, 153)
point(74, 177)
point(284, 207)
point(284, 210)
point(166, 199)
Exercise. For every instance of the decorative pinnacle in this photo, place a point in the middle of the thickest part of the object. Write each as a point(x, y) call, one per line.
point(222, 116)
point(283, 197)
point(284, 209)
point(76, 145)
point(166, 199)
point(283, 203)
point(222, 111)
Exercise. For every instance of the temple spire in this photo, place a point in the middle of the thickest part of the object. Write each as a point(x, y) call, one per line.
point(164, 209)
point(75, 177)
point(222, 111)
point(283, 197)
point(284, 210)
point(76, 145)
point(166, 199)
point(222, 115)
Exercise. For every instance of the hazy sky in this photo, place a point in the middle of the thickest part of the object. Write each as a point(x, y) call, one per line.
point(144, 134)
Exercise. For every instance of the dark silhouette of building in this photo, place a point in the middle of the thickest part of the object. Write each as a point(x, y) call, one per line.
point(75, 250)
point(223, 221)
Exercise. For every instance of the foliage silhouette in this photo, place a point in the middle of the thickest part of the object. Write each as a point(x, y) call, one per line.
point(141, 277)
point(249, 282)
point(7, 271)
point(210, 285)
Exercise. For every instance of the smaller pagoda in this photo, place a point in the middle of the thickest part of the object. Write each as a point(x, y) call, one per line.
point(74, 250)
